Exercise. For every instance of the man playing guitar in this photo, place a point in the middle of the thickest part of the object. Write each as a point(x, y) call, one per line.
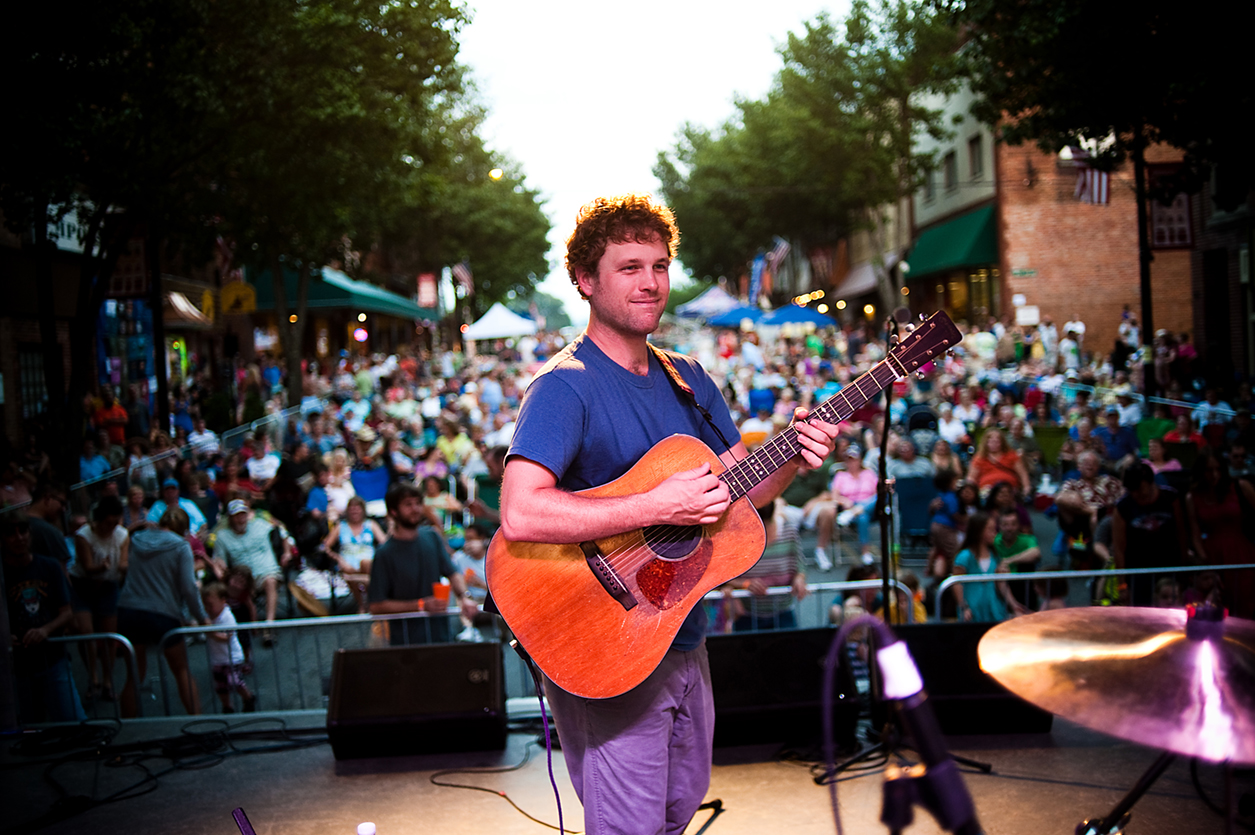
point(640, 761)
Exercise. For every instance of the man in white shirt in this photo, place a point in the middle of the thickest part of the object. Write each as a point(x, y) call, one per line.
point(1212, 410)
point(264, 464)
point(204, 442)
point(1077, 327)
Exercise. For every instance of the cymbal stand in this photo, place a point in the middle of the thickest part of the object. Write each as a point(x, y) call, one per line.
point(1118, 818)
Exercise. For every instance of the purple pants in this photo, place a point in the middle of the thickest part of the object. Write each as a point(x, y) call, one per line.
point(640, 762)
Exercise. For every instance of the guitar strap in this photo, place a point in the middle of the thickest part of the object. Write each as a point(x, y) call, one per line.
point(676, 380)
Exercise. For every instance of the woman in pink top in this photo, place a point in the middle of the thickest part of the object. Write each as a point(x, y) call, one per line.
point(854, 491)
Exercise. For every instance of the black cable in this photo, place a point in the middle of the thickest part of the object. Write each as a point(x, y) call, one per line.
point(527, 755)
point(191, 750)
point(1202, 795)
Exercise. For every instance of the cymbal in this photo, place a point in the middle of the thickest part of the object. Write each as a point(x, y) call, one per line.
point(1132, 673)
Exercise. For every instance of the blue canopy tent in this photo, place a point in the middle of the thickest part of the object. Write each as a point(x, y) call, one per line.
point(795, 314)
point(734, 317)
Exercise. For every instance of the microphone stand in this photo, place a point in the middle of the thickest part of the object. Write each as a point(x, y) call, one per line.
point(884, 487)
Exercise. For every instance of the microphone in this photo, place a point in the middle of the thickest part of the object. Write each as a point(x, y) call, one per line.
point(941, 787)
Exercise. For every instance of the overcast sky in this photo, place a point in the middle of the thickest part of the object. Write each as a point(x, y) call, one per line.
point(583, 95)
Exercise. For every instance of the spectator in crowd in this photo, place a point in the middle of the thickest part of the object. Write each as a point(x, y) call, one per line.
point(351, 542)
point(908, 463)
point(234, 481)
point(91, 465)
point(854, 492)
point(1147, 531)
point(339, 487)
point(1215, 506)
point(159, 583)
point(170, 497)
point(226, 654)
point(1084, 501)
point(1157, 457)
point(1084, 441)
point(989, 601)
point(101, 557)
point(950, 428)
point(996, 462)
point(111, 417)
point(38, 602)
point(204, 441)
point(1018, 553)
point(1212, 411)
point(135, 512)
point(408, 567)
point(1185, 433)
point(264, 463)
point(15, 484)
point(247, 541)
point(944, 458)
point(44, 516)
point(1120, 445)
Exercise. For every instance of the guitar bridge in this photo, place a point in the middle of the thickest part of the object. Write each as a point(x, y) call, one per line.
point(607, 576)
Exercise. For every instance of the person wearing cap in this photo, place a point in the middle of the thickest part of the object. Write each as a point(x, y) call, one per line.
point(1120, 442)
point(854, 496)
point(1130, 410)
point(170, 498)
point(246, 541)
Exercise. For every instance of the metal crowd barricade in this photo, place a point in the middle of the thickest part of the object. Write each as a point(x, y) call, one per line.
point(1030, 576)
point(295, 673)
point(292, 674)
point(128, 649)
point(814, 613)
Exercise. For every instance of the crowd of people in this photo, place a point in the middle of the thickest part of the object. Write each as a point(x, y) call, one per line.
point(403, 454)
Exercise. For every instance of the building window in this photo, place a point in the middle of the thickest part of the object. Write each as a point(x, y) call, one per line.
point(976, 157)
point(1170, 224)
point(930, 185)
point(950, 167)
point(32, 385)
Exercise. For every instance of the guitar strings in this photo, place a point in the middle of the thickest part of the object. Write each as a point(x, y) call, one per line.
point(630, 558)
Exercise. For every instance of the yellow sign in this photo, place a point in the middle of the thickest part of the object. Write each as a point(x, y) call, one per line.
point(207, 304)
point(238, 297)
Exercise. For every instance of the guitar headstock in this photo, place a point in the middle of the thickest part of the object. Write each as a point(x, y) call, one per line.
point(929, 339)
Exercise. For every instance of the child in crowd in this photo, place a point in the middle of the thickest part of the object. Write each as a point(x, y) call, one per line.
point(226, 655)
point(469, 559)
point(241, 591)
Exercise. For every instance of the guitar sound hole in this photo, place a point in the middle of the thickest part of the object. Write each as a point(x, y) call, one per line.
point(673, 542)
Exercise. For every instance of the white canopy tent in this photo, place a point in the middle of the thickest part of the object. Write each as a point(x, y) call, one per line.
point(714, 301)
point(499, 323)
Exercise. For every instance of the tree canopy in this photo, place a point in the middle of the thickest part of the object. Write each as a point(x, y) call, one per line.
point(829, 144)
point(1060, 72)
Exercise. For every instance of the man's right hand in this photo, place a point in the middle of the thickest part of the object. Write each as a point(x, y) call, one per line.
point(692, 497)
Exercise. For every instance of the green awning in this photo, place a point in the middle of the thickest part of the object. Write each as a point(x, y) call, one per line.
point(969, 240)
point(331, 290)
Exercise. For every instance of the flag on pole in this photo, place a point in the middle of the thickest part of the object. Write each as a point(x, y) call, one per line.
point(1093, 186)
point(462, 275)
point(777, 254)
point(756, 278)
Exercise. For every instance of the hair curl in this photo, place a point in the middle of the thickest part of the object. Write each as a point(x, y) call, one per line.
point(619, 219)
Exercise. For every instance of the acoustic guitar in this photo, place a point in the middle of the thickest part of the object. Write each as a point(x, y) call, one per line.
point(598, 616)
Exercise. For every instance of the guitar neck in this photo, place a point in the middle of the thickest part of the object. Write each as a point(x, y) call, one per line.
point(779, 449)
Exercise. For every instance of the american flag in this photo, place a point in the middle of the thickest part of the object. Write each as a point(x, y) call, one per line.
point(462, 274)
point(1093, 186)
point(777, 254)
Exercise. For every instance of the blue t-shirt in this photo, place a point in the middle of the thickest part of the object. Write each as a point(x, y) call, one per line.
point(1118, 444)
point(949, 509)
point(588, 420)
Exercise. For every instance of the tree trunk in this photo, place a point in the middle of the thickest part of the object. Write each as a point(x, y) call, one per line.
point(1144, 258)
point(294, 344)
point(156, 300)
point(62, 453)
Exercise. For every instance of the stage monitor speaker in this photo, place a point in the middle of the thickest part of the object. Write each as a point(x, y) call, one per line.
point(425, 699)
point(966, 699)
point(768, 688)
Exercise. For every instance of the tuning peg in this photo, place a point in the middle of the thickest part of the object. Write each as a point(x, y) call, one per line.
point(922, 317)
point(919, 375)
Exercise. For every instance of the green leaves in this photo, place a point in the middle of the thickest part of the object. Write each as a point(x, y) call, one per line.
point(830, 141)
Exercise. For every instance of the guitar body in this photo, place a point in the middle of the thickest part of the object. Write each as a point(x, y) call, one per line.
point(598, 617)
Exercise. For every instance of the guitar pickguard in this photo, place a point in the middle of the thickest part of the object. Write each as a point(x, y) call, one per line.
point(665, 582)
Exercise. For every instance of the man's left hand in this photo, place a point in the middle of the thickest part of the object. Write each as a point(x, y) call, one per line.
point(816, 438)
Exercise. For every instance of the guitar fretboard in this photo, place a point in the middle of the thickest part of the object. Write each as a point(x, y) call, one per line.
point(779, 449)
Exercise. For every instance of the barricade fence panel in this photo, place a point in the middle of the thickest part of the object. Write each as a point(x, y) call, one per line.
point(294, 672)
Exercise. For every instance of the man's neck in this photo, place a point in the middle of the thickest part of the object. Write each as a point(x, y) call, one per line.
point(630, 352)
point(404, 534)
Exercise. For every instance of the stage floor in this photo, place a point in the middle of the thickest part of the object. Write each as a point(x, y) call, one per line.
point(1040, 784)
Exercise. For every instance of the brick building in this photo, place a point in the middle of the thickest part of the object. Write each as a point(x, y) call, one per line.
point(1000, 227)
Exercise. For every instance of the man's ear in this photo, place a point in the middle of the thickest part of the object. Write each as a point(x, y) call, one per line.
point(584, 281)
